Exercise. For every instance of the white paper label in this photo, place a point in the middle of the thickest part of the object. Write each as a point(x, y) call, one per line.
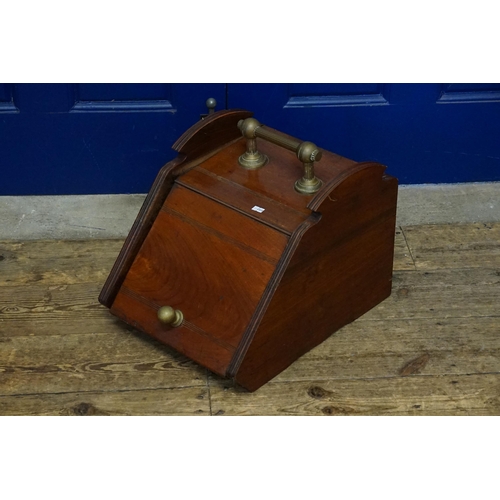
point(258, 209)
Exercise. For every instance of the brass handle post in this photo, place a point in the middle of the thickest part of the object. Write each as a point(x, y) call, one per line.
point(170, 316)
point(306, 152)
point(251, 159)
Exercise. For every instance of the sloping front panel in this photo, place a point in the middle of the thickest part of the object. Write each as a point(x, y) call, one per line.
point(208, 261)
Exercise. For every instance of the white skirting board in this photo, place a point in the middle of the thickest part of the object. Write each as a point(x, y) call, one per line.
point(111, 216)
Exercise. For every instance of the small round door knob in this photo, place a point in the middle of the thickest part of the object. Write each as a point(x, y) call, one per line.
point(170, 316)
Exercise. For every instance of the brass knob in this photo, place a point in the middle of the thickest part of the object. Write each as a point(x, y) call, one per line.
point(170, 316)
point(211, 103)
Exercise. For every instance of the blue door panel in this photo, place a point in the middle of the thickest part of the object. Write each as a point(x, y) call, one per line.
point(469, 92)
point(93, 138)
point(84, 154)
point(113, 138)
point(416, 129)
point(334, 94)
point(5, 93)
point(6, 98)
point(332, 89)
point(123, 92)
point(43, 98)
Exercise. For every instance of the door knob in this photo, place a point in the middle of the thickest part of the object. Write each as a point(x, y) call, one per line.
point(170, 316)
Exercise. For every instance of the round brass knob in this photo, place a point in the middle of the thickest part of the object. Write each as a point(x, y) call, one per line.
point(210, 104)
point(170, 316)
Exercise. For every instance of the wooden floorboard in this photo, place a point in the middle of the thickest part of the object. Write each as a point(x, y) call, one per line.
point(454, 246)
point(412, 395)
point(103, 361)
point(378, 349)
point(57, 262)
point(177, 401)
point(431, 348)
point(403, 259)
point(45, 309)
point(448, 293)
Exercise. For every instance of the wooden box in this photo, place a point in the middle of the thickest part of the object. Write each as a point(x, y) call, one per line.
point(261, 273)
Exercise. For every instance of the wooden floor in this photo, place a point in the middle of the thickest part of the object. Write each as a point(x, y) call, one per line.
point(432, 348)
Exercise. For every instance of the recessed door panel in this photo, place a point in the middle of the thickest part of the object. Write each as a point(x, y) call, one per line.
point(93, 138)
point(424, 133)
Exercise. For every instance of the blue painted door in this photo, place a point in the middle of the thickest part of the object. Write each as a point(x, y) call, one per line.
point(113, 138)
point(93, 138)
point(424, 133)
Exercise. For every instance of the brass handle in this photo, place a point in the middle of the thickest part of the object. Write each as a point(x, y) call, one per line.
point(306, 152)
point(170, 316)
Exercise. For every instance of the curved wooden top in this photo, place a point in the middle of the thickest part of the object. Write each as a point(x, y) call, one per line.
point(276, 179)
point(211, 133)
point(341, 176)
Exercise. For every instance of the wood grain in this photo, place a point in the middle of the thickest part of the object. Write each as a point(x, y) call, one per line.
point(43, 309)
point(140, 229)
point(275, 180)
point(56, 261)
point(441, 395)
point(73, 307)
point(454, 246)
point(89, 261)
point(225, 223)
point(81, 362)
point(341, 268)
point(431, 348)
point(197, 144)
point(214, 279)
point(242, 199)
point(403, 259)
point(381, 349)
point(237, 300)
point(208, 135)
point(210, 262)
point(186, 338)
point(179, 401)
point(448, 293)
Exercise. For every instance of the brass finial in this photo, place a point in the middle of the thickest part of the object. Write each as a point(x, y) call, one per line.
point(211, 103)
